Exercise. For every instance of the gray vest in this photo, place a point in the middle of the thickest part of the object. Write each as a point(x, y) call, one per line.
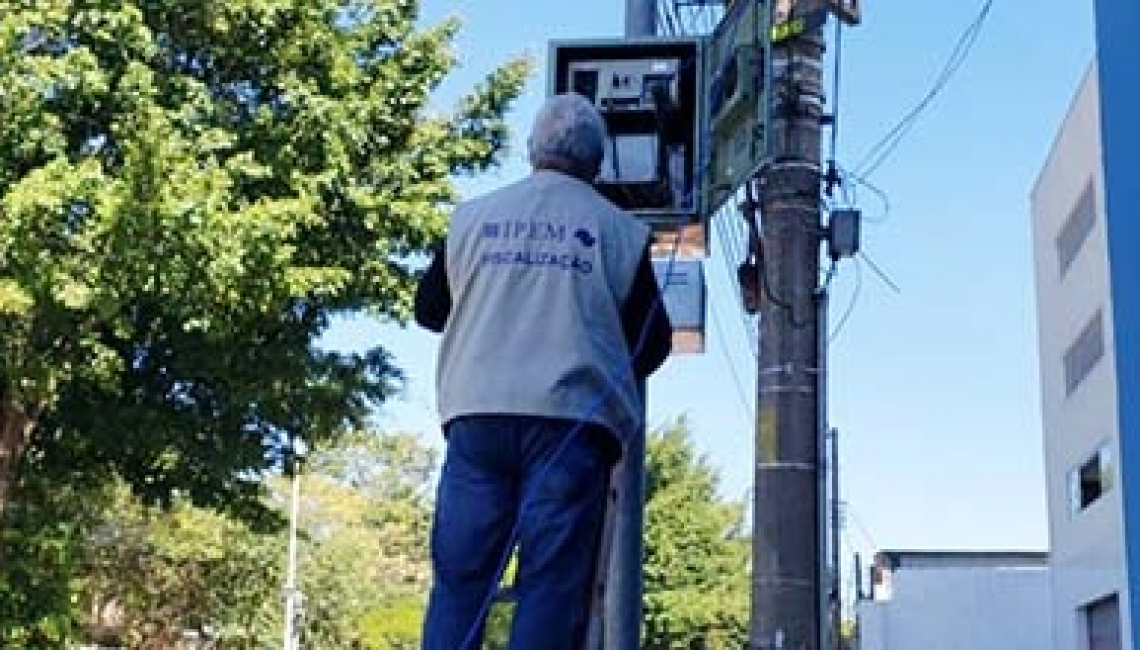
point(538, 271)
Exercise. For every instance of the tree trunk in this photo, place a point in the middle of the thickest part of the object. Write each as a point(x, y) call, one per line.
point(16, 426)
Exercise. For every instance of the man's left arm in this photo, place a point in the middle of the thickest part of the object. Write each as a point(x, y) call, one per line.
point(433, 296)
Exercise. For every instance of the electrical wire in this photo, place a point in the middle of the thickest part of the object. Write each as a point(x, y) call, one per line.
point(731, 239)
point(695, 20)
point(735, 233)
point(860, 527)
point(730, 229)
point(829, 276)
point(850, 309)
point(849, 194)
point(957, 58)
point(725, 245)
point(879, 272)
point(673, 31)
point(712, 17)
point(740, 392)
point(882, 150)
point(679, 25)
point(749, 326)
point(662, 17)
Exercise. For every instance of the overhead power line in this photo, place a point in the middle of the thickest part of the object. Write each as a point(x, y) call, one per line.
point(851, 304)
point(741, 393)
point(882, 150)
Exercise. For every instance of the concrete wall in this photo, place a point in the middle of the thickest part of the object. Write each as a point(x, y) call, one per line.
point(955, 608)
point(1087, 547)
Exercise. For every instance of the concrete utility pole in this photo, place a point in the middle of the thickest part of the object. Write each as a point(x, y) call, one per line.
point(787, 530)
point(622, 604)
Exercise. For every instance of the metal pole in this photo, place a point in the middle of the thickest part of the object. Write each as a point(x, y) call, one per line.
point(622, 600)
point(292, 594)
point(623, 608)
point(786, 535)
point(640, 18)
point(824, 567)
point(836, 524)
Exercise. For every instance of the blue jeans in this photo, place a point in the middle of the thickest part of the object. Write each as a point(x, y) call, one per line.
point(499, 469)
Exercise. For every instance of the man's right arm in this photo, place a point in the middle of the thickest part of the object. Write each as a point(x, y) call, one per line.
point(648, 332)
point(433, 296)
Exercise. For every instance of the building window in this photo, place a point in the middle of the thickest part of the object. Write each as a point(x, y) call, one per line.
point(1084, 353)
point(1076, 228)
point(1102, 624)
point(1091, 480)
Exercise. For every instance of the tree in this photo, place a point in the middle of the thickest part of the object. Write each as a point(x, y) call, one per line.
point(189, 191)
point(146, 574)
point(696, 579)
point(45, 544)
point(151, 574)
point(367, 514)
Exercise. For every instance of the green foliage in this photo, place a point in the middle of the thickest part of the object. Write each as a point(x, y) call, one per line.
point(155, 572)
point(44, 547)
point(497, 631)
point(152, 573)
point(366, 515)
point(189, 190)
point(696, 581)
point(363, 557)
point(848, 633)
point(394, 625)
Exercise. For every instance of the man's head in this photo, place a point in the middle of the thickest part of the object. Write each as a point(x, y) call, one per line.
point(568, 136)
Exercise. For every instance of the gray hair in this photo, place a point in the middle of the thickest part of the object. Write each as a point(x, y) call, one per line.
point(568, 135)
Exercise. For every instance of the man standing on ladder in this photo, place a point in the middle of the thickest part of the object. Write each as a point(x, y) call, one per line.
point(551, 316)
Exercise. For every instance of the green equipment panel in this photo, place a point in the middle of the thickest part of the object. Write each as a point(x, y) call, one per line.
point(736, 65)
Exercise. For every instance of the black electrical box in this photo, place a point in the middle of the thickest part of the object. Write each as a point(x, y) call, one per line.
point(649, 92)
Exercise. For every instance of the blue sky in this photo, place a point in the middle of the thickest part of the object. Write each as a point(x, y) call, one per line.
point(934, 388)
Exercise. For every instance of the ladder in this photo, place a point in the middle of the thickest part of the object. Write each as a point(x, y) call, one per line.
point(596, 632)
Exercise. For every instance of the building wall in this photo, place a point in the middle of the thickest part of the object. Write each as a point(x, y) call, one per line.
point(982, 608)
point(1118, 23)
point(1086, 544)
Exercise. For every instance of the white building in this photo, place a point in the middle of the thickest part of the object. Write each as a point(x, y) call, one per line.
point(1079, 386)
point(953, 600)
